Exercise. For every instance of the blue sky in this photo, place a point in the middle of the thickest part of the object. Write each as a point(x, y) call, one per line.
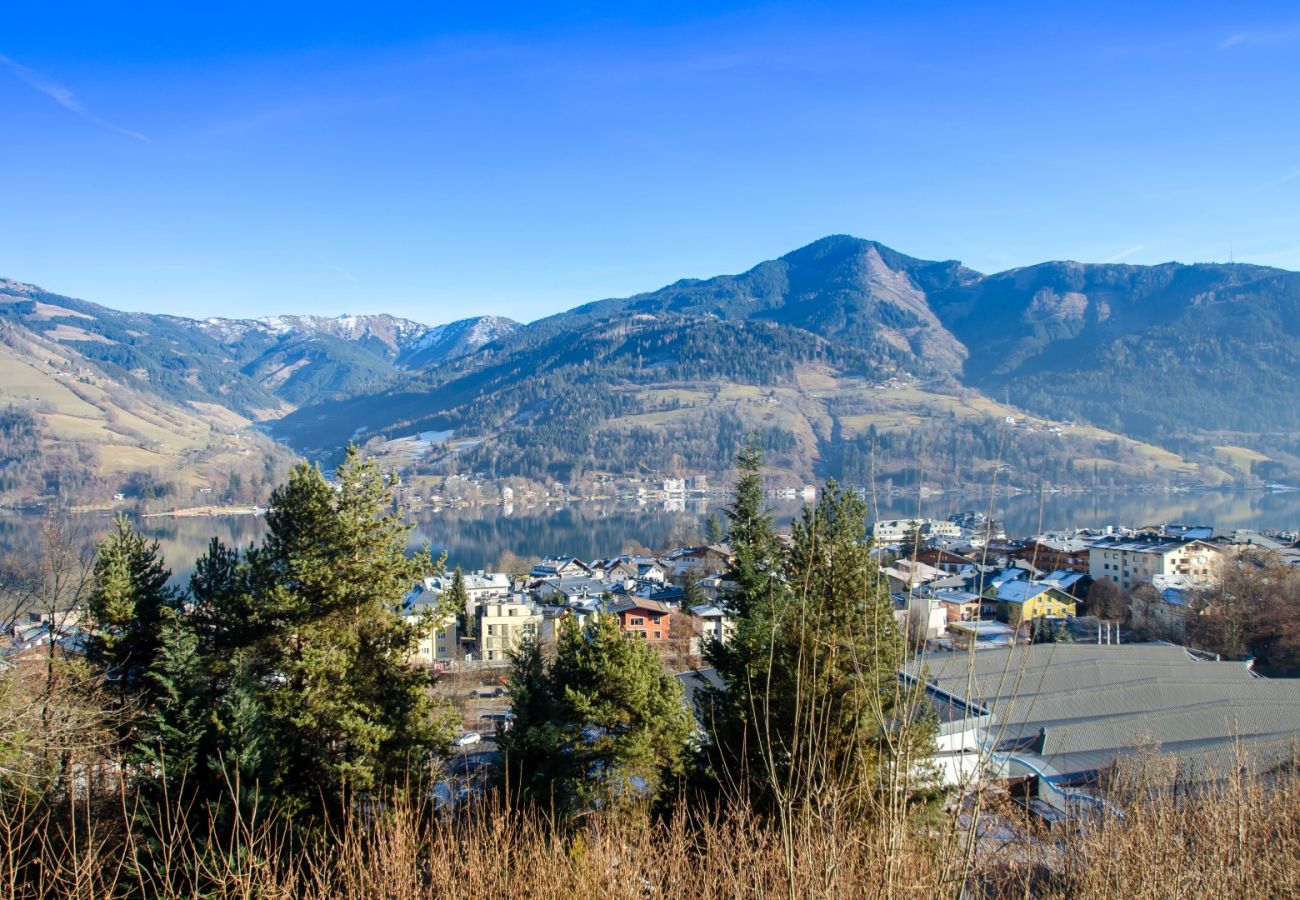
point(443, 161)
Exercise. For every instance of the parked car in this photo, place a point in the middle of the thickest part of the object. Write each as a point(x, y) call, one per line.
point(466, 739)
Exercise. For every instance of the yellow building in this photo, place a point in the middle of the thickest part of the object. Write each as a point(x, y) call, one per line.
point(503, 627)
point(1023, 601)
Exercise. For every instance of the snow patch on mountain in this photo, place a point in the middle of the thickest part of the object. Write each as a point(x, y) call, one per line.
point(456, 339)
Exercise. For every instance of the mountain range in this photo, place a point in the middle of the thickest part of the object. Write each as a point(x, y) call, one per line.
point(846, 357)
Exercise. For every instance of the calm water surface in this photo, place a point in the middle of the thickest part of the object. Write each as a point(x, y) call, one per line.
point(477, 538)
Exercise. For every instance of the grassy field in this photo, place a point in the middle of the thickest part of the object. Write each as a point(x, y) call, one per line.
point(1241, 457)
point(129, 431)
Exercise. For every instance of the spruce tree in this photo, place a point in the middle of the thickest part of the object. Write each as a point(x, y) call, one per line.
point(457, 600)
point(913, 543)
point(691, 593)
point(173, 736)
point(731, 711)
point(846, 721)
point(601, 726)
point(227, 636)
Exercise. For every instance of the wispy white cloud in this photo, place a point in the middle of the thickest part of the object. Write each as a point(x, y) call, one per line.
point(1283, 36)
point(64, 97)
point(345, 273)
point(1285, 179)
point(1124, 254)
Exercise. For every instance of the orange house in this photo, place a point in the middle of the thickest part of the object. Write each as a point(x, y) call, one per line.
point(647, 619)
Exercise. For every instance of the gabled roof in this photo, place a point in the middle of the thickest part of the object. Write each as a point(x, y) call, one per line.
point(950, 595)
point(914, 573)
point(1177, 590)
point(709, 611)
point(1024, 591)
point(665, 593)
point(1147, 542)
point(1064, 578)
point(577, 585)
point(722, 550)
point(551, 565)
point(1061, 544)
point(632, 603)
point(1005, 576)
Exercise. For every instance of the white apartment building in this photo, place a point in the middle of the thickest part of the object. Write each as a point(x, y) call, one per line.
point(479, 586)
point(892, 531)
point(714, 621)
point(1130, 560)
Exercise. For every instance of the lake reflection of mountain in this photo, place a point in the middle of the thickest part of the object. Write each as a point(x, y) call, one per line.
point(476, 538)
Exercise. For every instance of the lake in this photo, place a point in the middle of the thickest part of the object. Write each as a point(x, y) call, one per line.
point(476, 538)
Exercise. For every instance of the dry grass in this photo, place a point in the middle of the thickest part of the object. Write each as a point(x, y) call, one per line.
point(1239, 840)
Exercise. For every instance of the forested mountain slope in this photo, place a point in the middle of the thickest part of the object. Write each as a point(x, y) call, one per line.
point(848, 358)
point(1173, 356)
point(1158, 352)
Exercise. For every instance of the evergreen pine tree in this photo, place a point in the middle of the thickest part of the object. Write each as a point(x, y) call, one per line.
point(713, 530)
point(229, 633)
point(844, 720)
point(811, 711)
point(913, 543)
point(239, 760)
point(533, 744)
point(172, 737)
point(340, 707)
point(128, 605)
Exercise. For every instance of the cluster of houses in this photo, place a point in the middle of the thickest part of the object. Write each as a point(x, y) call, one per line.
point(1051, 732)
point(954, 583)
point(990, 591)
point(647, 594)
point(43, 630)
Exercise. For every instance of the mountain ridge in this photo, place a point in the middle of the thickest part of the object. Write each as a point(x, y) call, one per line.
point(1174, 357)
point(1028, 335)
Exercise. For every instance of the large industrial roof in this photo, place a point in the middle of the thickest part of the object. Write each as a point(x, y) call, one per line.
point(1083, 706)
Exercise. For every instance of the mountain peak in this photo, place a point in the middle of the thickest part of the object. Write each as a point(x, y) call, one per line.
point(455, 339)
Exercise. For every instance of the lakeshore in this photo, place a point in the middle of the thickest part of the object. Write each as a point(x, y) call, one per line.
point(475, 537)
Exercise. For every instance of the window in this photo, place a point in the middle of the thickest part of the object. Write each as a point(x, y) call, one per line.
point(659, 635)
point(657, 618)
point(636, 620)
